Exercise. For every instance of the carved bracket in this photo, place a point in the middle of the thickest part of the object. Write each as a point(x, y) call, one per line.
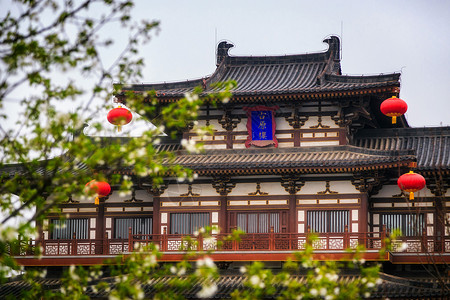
point(157, 190)
point(292, 183)
point(438, 186)
point(70, 200)
point(319, 124)
point(368, 182)
point(295, 120)
point(327, 189)
point(133, 197)
point(227, 121)
point(258, 191)
point(190, 193)
point(223, 185)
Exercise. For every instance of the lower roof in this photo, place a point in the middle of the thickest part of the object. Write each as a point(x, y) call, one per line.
point(303, 160)
point(430, 145)
point(390, 287)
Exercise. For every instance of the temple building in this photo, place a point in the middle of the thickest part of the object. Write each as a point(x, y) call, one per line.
point(298, 148)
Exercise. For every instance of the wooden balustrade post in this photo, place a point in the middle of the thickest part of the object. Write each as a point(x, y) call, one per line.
point(130, 240)
point(200, 242)
point(74, 244)
point(424, 241)
point(346, 237)
point(308, 233)
point(383, 236)
point(271, 239)
point(105, 244)
point(234, 242)
point(16, 251)
point(164, 240)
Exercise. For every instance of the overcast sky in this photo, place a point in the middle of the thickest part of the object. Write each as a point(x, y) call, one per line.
point(411, 37)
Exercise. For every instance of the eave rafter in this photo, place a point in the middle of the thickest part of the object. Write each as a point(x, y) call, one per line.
point(290, 96)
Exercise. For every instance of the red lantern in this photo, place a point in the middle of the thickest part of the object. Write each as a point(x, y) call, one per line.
point(393, 107)
point(101, 188)
point(119, 116)
point(411, 182)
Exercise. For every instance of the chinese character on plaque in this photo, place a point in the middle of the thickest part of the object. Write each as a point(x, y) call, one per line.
point(261, 126)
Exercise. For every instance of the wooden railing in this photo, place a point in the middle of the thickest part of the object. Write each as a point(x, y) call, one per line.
point(288, 242)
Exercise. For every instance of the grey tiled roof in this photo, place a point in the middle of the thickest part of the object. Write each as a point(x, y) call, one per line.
point(391, 286)
point(431, 145)
point(329, 157)
point(268, 75)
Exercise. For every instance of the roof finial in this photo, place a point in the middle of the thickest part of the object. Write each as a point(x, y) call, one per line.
point(334, 46)
point(222, 51)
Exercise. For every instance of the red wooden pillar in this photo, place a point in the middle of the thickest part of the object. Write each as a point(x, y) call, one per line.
point(292, 213)
point(362, 214)
point(100, 227)
point(74, 244)
point(424, 240)
point(383, 236)
point(296, 137)
point(130, 240)
point(156, 215)
point(343, 136)
point(223, 214)
point(229, 141)
point(346, 237)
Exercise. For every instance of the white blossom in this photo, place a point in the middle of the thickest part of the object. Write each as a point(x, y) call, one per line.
point(207, 291)
point(242, 269)
point(370, 285)
point(402, 247)
point(336, 291)
point(313, 292)
point(206, 262)
point(173, 269)
point(181, 272)
point(323, 292)
point(255, 280)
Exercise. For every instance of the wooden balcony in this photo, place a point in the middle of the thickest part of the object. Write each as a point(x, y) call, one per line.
point(257, 246)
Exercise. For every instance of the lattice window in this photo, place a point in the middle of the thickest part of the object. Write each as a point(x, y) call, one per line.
point(258, 222)
point(321, 221)
point(187, 223)
point(64, 229)
point(408, 224)
point(138, 226)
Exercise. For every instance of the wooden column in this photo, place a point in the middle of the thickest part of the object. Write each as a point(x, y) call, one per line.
point(156, 215)
point(223, 214)
point(229, 140)
point(292, 184)
point(100, 222)
point(343, 136)
point(292, 213)
point(297, 137)
point(362, 215)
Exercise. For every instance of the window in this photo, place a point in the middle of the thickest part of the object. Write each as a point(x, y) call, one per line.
point(187, 223)
point(408, 224)
point(258, 222)
point(327, 220)
point(64, 229)
point(138, 226)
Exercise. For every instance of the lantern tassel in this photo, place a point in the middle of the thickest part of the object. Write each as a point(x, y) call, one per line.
point(411, 195)
point(97, 201)
point(119, 128)
point(394, 119)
